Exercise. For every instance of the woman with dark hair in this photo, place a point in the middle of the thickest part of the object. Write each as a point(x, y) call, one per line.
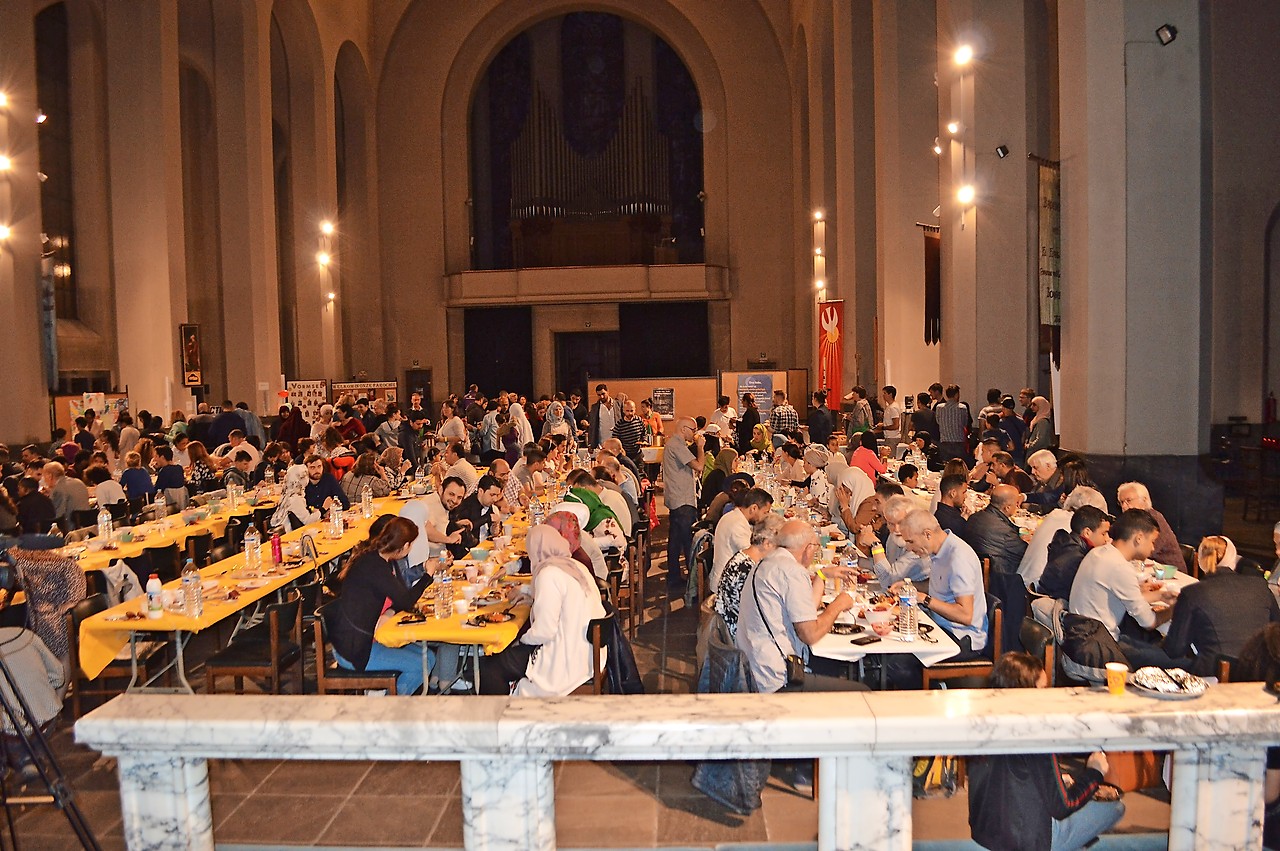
point(365, 473)
point(1075, 474)
point(726, 464)
point(109, 444)
point(1022, 800)
point(369, 583)
point(201, 472)
point(866, 458)
point(747, 421)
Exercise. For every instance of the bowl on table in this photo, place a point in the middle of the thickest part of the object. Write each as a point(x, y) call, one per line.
point(479, 554)
point(881, 620)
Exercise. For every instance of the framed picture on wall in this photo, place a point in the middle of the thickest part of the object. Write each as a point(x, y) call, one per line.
point(189, 344)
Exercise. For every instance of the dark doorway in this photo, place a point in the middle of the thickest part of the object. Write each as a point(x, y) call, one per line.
point(585, 357)
point(499, 347)
point(418, 381)
point(664, 339)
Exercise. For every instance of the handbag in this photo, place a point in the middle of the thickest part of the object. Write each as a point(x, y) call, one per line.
point(794, 664)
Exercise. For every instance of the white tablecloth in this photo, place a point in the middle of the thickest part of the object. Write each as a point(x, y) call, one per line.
point(833, 646)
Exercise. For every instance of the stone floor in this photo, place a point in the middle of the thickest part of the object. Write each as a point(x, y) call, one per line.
point(606, 805)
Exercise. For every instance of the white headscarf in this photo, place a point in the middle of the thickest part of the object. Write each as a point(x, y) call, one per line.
point(523, 427)
point(293, 498)
point(1043, 409)
point(1231, 558)
point(855, 481)
point(548, 549)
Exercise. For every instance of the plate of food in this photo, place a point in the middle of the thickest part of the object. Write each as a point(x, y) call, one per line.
point(251, 584)
point(1173, 684)
point(487, 618)
point(497, 595)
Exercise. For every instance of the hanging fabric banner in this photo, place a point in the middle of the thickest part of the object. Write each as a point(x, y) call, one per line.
point(932, 284)
point(830, 348)
point(1050, 264)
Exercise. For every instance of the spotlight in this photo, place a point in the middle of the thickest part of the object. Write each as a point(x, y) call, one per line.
point(937, 211)
point(1167, 34)
point(953, 127)
point(820, 284)
point(41, 118)
point(43, 177)
point(937, 146)
point(818, 252)
point(4, 232)
point(965, 194)
point(964, 53)
point(326, 228)
point(817, 215)
point(5, 163)
point(323, 258)
point(1002, 151)
point(4, 99)
point(332, 296)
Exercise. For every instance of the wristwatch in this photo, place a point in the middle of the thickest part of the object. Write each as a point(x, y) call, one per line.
point(925, 601)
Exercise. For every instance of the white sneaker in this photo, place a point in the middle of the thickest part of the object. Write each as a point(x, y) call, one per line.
point(375, 692)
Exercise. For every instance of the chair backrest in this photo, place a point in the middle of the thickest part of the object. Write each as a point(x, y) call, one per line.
point(96, 582)
point(262, 518)
point(310, 595)
point(199, 548)
point(995, 628)
point(1224, 668)
point(221, 552)
point(1037, 639)
point(597, 635)
point(84, 519)
point(86, 608)
point(165, 561)
point(1192, 560)
point(285, 619)
point(234, 532)
point(120, 512)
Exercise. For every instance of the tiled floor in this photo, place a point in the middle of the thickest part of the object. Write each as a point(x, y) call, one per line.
point(598, 805)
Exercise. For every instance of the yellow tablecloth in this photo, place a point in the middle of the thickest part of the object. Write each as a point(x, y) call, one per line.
point(451, 630)
point(104, 635)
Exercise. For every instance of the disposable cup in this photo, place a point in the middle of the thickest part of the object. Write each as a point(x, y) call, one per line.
point(1117, 672)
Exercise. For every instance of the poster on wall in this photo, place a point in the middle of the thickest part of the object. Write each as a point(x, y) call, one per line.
point(107, 410)
point(189, 344)
point(759, 385)
point(664, 402)
point(308, 396)
point(385, 390)
point(1050, 260)
point(830, 348)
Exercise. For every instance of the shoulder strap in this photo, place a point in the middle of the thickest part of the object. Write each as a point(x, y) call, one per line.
point(756, 595)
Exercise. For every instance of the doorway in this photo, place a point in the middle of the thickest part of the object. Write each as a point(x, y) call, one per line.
point(583, 357)
point(418, 381)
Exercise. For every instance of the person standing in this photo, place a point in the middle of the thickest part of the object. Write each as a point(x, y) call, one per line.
point(747, 423)
point(860, 419)
point(821, 423)
point(890, 426)
point(954, 421)
point(603, 416)
point(682, 463)
point(631, 431)
point(784, 422)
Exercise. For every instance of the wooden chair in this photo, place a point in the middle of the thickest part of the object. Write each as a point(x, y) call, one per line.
point(974, 672)
point(165, 561)
point(136, 508)
point(95, 582)
point(1224, 668)
point(595, 631)
point(262, 519)
point(200, 548)
point(233, 534)
point(120, 514)
point(119, 668)
point(1192, 560)
point(85, 519)
point(334, 679)
point(265, 651)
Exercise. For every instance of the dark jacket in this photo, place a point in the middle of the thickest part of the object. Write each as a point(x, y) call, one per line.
point(221, 427)
point(318, 492)
point(1066, 551)
point(594, 437)
point(1218, 615)
point(35, 513)
point(351, 619)
point(1017, 431)
point(993, 535)
point(950, 519)
point(1013, 800)
point(1167, 551)
point(748, 419)
point(820, 425)
point(469, 509)
point(1047, 493)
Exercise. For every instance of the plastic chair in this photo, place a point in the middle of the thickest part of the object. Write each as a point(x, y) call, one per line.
point(334, 679)
point(974, 672)
point(267, 654)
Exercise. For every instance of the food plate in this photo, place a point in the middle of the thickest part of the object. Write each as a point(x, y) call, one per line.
point(489, 618)
point(1173, 684)
point(209, 584)
point(251, 584)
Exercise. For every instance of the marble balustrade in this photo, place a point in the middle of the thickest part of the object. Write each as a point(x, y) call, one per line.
point(864, 741)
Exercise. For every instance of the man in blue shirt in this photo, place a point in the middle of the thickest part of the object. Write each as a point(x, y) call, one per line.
point(322, 488)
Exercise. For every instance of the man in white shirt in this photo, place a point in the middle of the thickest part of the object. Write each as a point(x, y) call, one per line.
point(236, 442)
point(453, 463)
point(1037, 554)
point(723, 416)
point(733, 532)
point(604, 415)
point(1107, 587)
point(890, 427)
point(431, 515)
point(522, 480)
point(181, 456)
point(893, 561)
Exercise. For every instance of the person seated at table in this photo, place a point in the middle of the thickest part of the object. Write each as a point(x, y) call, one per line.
point(815, 466)
point(617, 491)
point(522, 482)
point(726, 464)
point(35, 510)
point(477, 517)
point(240, 472)
point(146, 448)
point(992, 431)
point(951, 511)
point(1167, 549)
point(323, 490)
point(993, 534)
point(292, 511)
point(553, 656)
point(733, 532)
point(604, 522)
point(201, 472)
point(1217, 615)
point(922, 441)
point(276, 456)
point(430, 513)
point(453, 463)
point(369, 581)
point(856, 502)
point(1048, 490)
point(1089, 527)
point(1010, 474)
point(893, 562)
point(1057, 520)
point(726, 500)
point(394, 467)
point(68, 495)
point(226, 453)
point(135, 479)
point(866, 457)
point(1107, 587)
point(909, 476)
point(611, 452)
point(1032, 800)
point(169, 474)
point(733, 576)
point(778, 615)
point(956, 601)
point(389, 431)
point(103, 488)
point(364, 475)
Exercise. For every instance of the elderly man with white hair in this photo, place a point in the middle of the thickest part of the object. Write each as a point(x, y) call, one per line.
point(1048, 480)
point(1037, 554)
point(893, 562)
point(1167, 551)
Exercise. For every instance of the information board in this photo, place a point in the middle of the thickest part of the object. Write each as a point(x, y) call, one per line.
point(664, 402)
point(308, 396)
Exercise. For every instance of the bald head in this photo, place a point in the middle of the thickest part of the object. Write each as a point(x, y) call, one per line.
point(795, 536)
point(1006, 499)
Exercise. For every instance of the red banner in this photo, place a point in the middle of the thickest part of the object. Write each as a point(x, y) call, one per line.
point(831, 350)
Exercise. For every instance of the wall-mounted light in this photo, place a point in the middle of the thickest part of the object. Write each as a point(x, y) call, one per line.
point(1167, 33)
point(326, 228)
point(4, 100)
point(332, 296)
point(41, 118)
point(5, 163)
point(1002, 151)
point(817, 251)
point(964, 54)
point(820, 284)
point(5, 232)
point(965, 194)
point(953, 127)
point(817, 215)
point(937, 146)
point(323, 258)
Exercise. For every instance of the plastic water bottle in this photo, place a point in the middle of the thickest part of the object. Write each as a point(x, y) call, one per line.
point(336, 527)
point(155, 597)
point(252, 549)
point(269, 476)
point(907, 613)
point(161, 506)
point(192, 592)
point(366, 502)
point(104, 525)
point(536, 512)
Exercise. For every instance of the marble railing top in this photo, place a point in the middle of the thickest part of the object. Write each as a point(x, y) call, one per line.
point(674, 726)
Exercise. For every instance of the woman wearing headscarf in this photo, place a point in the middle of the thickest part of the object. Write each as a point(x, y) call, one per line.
point(555, 423)
point(518, 418)
point(292, 512)
point(603, 524)
point(726, 465)
point(553, 656)
point(1217, 615)
point(569, 519)
point(1041, 434)
point(762, 440)
point(855, 504)
point(291, 427)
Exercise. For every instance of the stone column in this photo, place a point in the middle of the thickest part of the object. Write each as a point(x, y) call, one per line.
point(147, 225)
point(1217, 798)
point(22, 381)
point(508, 804)
point(165, 802)
point(986, 259)
point(1136, 298)
point(246, 214)
point(864, 801)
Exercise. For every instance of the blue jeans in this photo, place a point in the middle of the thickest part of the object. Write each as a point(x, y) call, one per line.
point(1086, 823)
point(406, 660)
point(680, 541)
